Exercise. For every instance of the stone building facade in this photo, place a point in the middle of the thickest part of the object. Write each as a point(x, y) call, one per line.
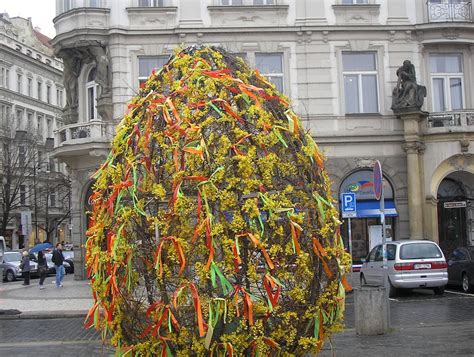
point(336, 59)
point(31, 99)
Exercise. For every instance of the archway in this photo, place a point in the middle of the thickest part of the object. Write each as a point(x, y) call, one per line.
point(367, 227)
point(455, 211)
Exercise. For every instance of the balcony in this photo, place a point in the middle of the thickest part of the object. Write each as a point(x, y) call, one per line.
point(82, 138)
point(449, 12)
point(450, 122)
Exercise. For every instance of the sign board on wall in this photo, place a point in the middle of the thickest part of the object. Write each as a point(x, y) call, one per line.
point(25, 223)
point(456, 204)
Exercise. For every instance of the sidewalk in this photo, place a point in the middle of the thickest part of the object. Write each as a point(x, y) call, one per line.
point(73, 299)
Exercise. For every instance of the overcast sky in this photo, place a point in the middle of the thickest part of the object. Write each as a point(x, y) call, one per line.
point(42, 12)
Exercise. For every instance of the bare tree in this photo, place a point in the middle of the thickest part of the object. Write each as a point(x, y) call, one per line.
point(53, 200)
point(20, 154)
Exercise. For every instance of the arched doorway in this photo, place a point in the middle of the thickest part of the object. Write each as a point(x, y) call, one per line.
point(367, 227)
point(455, 211)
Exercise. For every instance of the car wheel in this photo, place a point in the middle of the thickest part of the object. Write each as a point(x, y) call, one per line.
point(362, 279)
point(392, 290)
point(9, 276)
point(466, 285)
point(439, 290)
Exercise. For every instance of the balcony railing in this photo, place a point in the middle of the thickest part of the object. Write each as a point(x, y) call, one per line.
point(449, 12)
point(451, 119)
point(76, 133)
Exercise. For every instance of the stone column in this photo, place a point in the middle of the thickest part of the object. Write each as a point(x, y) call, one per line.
point(415, 200)
point(431, 218)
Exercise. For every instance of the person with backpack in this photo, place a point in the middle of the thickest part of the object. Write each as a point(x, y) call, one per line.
point(58, 259)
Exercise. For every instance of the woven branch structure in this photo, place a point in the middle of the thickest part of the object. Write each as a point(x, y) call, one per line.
point(212, 229)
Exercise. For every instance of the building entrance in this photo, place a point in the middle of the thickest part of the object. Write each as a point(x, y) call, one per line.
point(455, 211)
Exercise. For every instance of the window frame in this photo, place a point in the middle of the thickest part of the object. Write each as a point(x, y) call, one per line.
point(22, 192)
point(30, 86)
point(91, 88)
point(447, 76)
point(269, 76)
point(19, 83)
point(152, 3)
point(360, 74)
point(142, 79)
point(39, 89)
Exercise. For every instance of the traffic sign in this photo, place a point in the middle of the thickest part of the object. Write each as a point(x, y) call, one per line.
point(349, 205)
point(378, 180)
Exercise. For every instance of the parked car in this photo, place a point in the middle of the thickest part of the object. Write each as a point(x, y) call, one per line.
point(461, 268)
point(69, 259)
point(411, 264)
point(11, 266)
point(49, 261)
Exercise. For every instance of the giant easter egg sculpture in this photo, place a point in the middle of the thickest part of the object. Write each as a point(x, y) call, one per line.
point(212, 229)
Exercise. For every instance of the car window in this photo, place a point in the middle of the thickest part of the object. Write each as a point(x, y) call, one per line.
point(12, 257)
point(378, 254)
point(420, 251)
point(458, 254)
point(391, 250)
point(471, 252)
point(371, 257)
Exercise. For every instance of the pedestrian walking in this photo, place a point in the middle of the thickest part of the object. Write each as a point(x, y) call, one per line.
point(42, 268)
point(58, 259)
point(25, 268)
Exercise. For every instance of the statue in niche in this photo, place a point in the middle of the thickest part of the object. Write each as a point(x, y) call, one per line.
point(407, 94)
point(100, 56)
point(72, 67)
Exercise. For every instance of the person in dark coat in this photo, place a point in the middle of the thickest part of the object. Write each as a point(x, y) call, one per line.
point(58, 259)
point(42, 268)
point(25, 268)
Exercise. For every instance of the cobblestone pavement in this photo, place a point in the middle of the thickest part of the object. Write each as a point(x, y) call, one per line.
point(49, 337)
point(422, 325)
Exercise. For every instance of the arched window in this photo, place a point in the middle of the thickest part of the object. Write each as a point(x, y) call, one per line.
point(91, 95)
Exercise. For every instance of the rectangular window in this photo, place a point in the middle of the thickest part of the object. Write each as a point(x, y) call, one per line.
point(270, 65)
point(49, 126)
point(147, 64)
point(2, 77)
point(19, 80)
point(30, 87)
point(39, 119)
point(360, 82)
point(21, 155)
point(22, 194)
point(231, 2)
point(39, 90)
point(151, 3)
point(19, 118)
point(350, 2)
point(264, 2)
point(52, 199)
point(59, 97)
point(29, 121)
point(447, 82)
point(48, 94)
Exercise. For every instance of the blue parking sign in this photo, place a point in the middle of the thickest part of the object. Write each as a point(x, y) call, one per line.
point(349, 205)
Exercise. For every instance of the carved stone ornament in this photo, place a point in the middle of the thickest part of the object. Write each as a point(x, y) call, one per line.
point(464, 145)
point(364, 162)
point(414, 147)
point(407, 95)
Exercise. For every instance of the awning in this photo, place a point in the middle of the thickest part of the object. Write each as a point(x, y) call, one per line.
point(371, 208)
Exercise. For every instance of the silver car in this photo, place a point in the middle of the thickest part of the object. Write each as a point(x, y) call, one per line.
point(11, 266)
point(411, 264)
